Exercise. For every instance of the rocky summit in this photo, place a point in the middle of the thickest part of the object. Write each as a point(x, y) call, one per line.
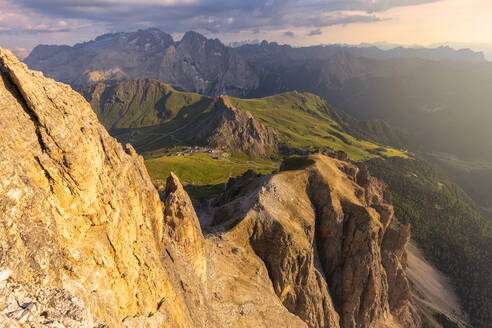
point(194, 63)
point(235, 130)
point(86, 240)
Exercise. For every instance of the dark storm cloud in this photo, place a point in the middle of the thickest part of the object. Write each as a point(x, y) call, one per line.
point(217, 16)
point(289, 34)
point(315, 32)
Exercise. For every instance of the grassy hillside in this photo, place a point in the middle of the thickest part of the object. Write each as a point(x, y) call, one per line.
point(447, 226)
point(202, 175)
point(306, 122)
point(142, 103)
point(154, 117)
point(440, 106)
point(201, 169)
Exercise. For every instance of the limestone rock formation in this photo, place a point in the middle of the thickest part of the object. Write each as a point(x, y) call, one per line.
point(86, 241)
point(395, 263)
point(193, 64)
point(78, 211)
point(181, 223)
point(235, 130)
point(319, 233)
point(38, 306)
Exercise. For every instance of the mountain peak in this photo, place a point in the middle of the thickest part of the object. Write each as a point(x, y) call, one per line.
point(154, 32)
point(194, 64)
point(193, 36)
point(235, 130)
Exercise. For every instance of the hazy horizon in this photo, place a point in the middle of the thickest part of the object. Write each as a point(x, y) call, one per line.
point(484, 48)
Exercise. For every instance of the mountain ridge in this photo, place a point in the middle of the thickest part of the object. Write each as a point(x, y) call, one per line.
point(273, 49)
point(135, 111)
point(152, 53)
point(194, 63)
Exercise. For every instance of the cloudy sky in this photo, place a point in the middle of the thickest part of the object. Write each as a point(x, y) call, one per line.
point(26, 23)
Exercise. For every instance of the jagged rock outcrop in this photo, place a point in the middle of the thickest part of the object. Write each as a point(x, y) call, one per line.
point(78, 212)
point(84, 235)
point(235, 130)
point(395, 264)
point(319, 232)
point(193, 64)
point(181, 223)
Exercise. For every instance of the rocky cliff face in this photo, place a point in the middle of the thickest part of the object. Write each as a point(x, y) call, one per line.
point(194, 64)
point(86, 242)
point(206, 66)
point(235, 130)
point(324, 236)
point(78, 211)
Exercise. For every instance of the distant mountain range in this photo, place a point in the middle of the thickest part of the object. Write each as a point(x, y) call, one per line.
point(194, 63)
point(264, 51)
point(485, 48)
point(440, 105)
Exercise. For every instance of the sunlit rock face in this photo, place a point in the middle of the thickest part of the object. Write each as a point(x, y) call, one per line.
point(235, 130)
point(320, 233)
point(79, 211)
